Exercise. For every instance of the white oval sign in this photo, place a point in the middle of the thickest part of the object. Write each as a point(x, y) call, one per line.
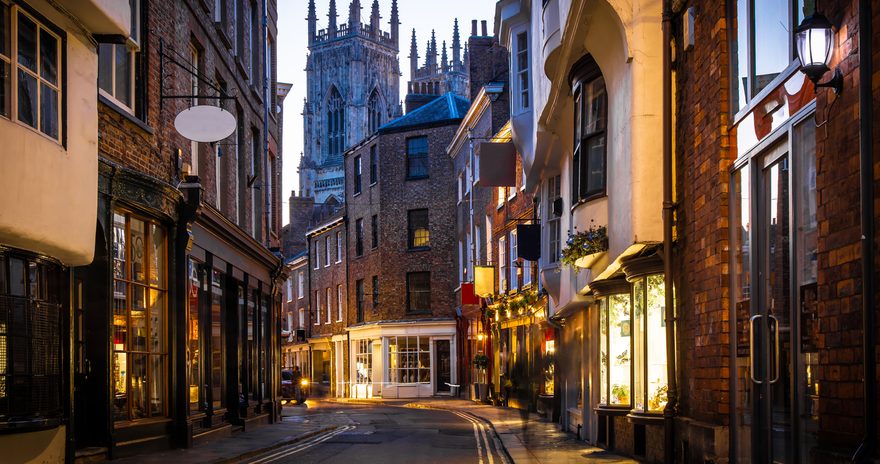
point(205, 123)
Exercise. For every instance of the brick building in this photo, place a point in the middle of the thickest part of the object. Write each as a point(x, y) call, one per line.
point(183, 295)
point(327, 316)
point(294, 316)
point(400, 202)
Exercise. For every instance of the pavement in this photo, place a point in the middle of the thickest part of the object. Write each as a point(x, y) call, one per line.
point(513, 436)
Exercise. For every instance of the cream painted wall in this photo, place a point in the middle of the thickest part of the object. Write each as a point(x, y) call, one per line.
point(43, 447)
point(48, 193)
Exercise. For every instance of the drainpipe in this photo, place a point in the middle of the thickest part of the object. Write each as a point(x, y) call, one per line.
point(267, 197)
point(671, 409)
point(866, 156)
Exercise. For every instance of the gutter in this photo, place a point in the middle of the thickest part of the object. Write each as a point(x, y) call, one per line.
point(267, 206)
point(671, 409)
point(867, 448)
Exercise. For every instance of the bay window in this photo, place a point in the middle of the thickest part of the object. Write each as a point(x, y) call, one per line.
point(139, 292)
point(590, 117)
point(409, 360)
point(615, 349)
point(649, 344)
point(30, 71)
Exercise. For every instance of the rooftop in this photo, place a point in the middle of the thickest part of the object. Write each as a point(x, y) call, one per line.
point(448, 108)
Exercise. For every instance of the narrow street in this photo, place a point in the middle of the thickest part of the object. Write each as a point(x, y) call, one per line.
point(386, 433)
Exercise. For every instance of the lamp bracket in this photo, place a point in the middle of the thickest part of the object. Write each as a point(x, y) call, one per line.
point(835, 82)
point(171, 56)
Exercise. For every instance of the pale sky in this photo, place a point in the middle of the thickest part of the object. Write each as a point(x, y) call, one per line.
point(423, 15)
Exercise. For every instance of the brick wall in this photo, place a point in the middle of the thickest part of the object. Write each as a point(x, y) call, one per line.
point(324, 276)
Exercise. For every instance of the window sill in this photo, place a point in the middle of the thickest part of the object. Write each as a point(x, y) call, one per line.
point(31, 425)
point(417, 178)
point(373, 184)
point(241, 68)
point(420, 312)
point(588, 199)
point(125, 114)
point(418, 249)
point(224, 37)
point(356, 194)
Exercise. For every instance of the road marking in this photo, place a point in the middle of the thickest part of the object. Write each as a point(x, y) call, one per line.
point(481, 438)
point(298, 447)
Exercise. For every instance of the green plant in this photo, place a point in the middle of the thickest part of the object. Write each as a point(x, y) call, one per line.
point(620, 392)
point(481, 361)
point(658, 400)
point(588, 242)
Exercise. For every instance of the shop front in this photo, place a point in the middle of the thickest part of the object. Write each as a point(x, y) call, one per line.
point(404, 359)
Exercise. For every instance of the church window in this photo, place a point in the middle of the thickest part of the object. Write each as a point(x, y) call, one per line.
point(335, 123)
point(374, 112)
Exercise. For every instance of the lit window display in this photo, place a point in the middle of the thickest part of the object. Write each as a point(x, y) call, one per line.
point(363, 359)
point(649, 331)
point(193, 347)
point(615, 346)
point(409, 360)
point(138, 363)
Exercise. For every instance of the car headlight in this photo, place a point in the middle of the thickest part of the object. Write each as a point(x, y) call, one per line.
point(304, 382)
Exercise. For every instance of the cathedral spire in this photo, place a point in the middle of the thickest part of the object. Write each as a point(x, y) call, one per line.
point(312, 18)
point(331, 16)
point(413, 56)
point(433, 55)
point(456, 47)
point(374, 19)
point(467, 59)
point(354, 15)
point(444, 60)
point(395, 23)
point(428, 54)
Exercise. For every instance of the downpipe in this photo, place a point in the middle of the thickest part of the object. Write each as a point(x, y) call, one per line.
point(866, 449)
point(671, 409)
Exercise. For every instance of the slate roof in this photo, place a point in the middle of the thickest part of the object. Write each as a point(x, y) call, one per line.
point(448, 108)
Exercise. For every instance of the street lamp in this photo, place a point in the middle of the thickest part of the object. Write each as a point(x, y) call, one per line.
point(815, 37)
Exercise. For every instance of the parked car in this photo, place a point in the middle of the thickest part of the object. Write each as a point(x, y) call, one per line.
point(293, 389)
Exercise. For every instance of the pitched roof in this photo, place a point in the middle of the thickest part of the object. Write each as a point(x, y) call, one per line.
point(448, 108)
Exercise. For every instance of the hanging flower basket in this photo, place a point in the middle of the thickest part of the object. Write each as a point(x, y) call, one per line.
point(584, 248)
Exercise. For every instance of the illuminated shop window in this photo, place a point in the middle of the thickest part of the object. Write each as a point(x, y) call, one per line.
point(615, 350)
point(649, 341)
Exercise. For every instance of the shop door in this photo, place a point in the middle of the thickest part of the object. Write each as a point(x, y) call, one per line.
point(776, 214)
point(442, 366)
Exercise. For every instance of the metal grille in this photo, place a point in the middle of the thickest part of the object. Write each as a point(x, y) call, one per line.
point(30, 357)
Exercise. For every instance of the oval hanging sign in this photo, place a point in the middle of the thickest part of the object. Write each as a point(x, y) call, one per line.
point(205, 123)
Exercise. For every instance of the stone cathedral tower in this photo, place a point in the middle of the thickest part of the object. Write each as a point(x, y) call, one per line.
point(353, 80)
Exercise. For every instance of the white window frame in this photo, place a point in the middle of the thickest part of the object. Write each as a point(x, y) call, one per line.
point(317, 307)
point(339, 246)
point(302, 318)
point(133, 47)
point(502, 194)
point(521, 72)
point(15, 67)
point(460, 186)
point(329, 307)
point(317, 254)
point(460, 262)
point(300, 285)
point(327, 251)
point(339, 303)
point(513, 270)
point(502, 253)
point(289, 289)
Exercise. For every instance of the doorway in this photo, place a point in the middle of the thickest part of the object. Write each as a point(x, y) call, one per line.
point(773, 271)
point(442, 367)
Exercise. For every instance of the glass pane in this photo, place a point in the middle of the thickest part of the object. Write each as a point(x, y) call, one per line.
point(49, 111)
point(5, 95)
point(656, 343)
point(105, 67)
point(639, 348)
point(216, 340)
point(120, 316)
point(48, 57)
point(596, 152)
point(157, 321)
point(27, 43)
point(5, 30)
point(739, 51)
point(17, 277)
point(120, 386)
point(194, 351)
point(603, 351)
point(138, 364)
point(138, 318)
point(157, 385)
point(157, 256)
point(27, 98)
point(138, 229)
point(594, 110)
point(123, 58)
point(805, 8)
point(619, 340)
point(118, 246)
point(772, 41)
point(740, 268)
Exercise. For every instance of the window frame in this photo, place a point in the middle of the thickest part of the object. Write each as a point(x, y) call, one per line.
point(317, 307)
point(338, 246)
point(584, 74)
point(413, 157)
point(410, 292)
point(375, 291)
point(374, 165)
point(15, 67)
point(412, 230)
point(358, 175)
point(359, 299)
point(329, 303)
point(339, 298)
point(327, 259)
point(523, 92)
point(300, 285)
point(374, 231)
point(359, 237)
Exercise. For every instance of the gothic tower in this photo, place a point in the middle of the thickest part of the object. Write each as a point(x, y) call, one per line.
point(353, 87)
point(437, 77)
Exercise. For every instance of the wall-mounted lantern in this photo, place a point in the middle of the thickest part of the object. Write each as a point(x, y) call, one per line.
point(815, 39)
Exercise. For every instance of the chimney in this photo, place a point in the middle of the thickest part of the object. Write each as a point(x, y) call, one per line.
point(485, 32)
point(486, 61)
point(473, 28)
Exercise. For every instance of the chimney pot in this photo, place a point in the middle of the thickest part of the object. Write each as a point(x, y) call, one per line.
point(485, 32)
point(473, 28)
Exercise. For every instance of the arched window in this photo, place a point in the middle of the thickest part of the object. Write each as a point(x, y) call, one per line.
point(590, 116)
point(335, 123)
point(374, 112)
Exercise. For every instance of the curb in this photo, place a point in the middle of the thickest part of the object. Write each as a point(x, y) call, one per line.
point(274, 446)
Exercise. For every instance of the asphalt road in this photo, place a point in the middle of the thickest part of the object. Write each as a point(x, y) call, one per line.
point(372, 434)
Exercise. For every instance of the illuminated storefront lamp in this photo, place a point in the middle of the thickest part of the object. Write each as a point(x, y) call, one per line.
point(815, 37)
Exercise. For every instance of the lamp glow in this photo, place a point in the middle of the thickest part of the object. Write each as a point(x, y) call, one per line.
point(814, 38)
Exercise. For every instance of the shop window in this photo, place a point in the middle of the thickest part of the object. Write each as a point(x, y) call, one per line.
point(590, 117)
point(31, 382)
point(194, 352)
point(417, 158)
point(615, 350)
point(762, 44)
point(418, 227)
point(218, 349)
point(30, 68)
point(409, 360)
point(249, 369)
point(418, 292)
point(139, 293)
point(649, 344)
point(363, 361)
